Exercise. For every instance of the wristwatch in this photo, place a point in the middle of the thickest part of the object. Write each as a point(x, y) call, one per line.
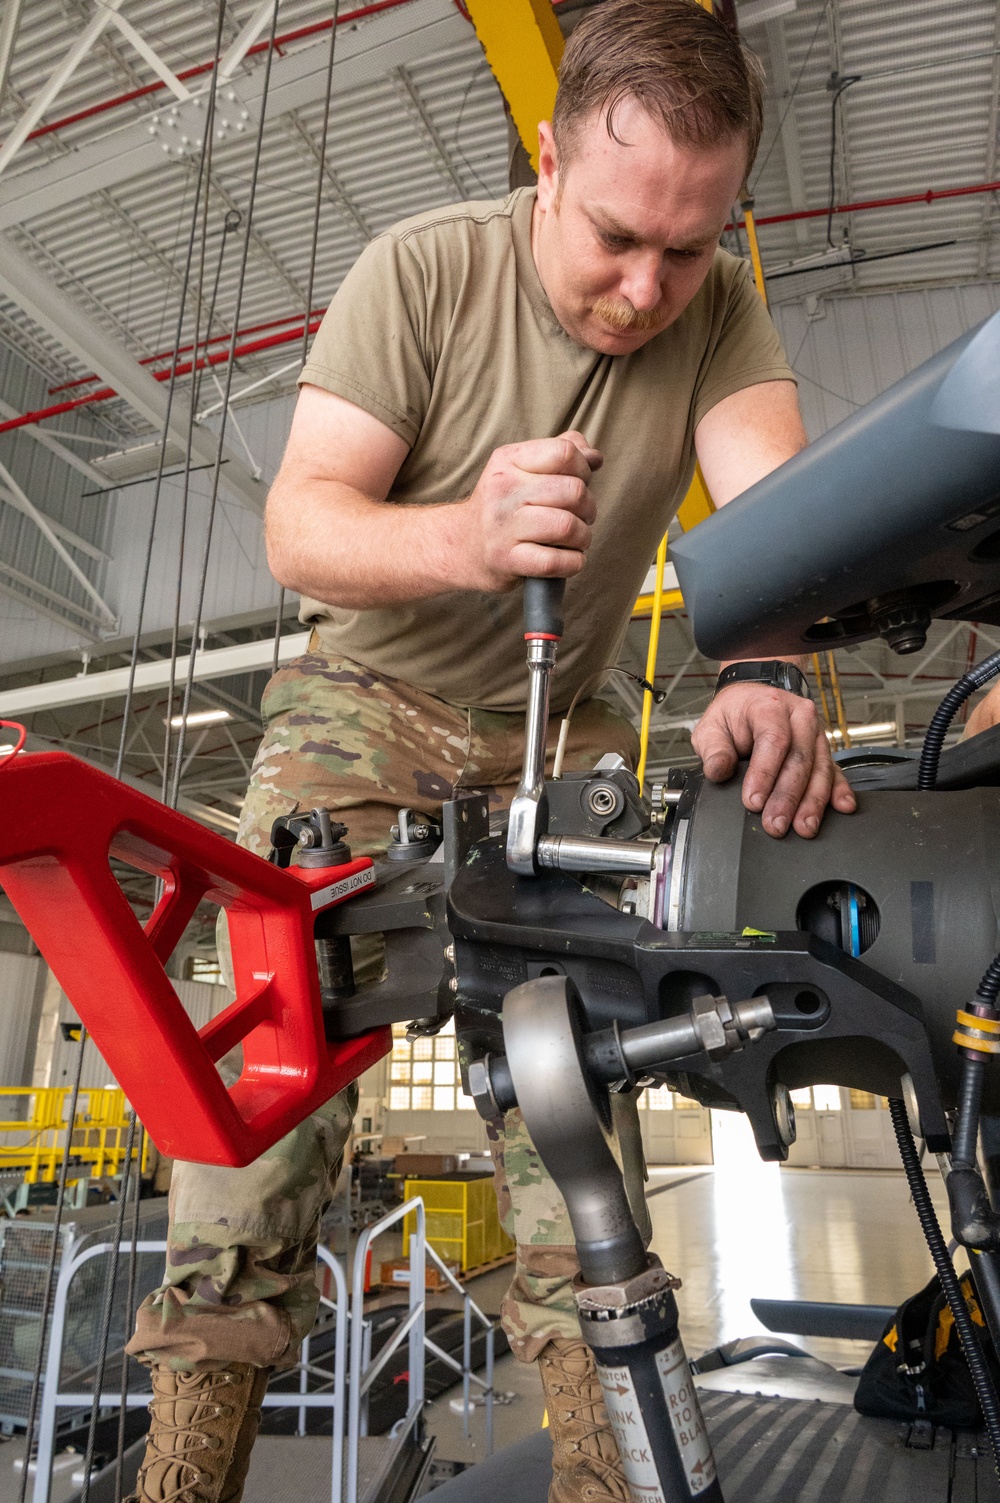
point(779, 675)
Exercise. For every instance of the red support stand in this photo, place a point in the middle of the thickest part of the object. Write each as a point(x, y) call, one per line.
point(60, 823)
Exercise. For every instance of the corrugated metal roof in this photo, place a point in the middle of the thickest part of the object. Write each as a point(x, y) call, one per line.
point(121, 252)
point(920, 116)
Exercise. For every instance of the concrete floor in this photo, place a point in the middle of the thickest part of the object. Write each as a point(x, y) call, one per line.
point(739, 1230)
point(742, 1230)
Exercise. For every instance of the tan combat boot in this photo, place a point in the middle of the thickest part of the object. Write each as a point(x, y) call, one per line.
point(586, 1466)
point(204, 1426)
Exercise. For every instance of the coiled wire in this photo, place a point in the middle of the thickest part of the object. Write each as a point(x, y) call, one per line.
point(945, 713)
point(982, 1381)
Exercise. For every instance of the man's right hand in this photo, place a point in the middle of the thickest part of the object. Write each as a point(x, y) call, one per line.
point(332, 537)
point(531, 513)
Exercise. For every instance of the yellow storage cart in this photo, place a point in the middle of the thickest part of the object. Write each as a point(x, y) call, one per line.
point(462, 1222)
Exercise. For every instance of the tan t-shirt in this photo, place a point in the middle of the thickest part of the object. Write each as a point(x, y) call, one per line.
point(443, 331)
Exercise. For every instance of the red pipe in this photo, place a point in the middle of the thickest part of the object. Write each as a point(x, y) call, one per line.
point(877, 203)
point(275, 323)
point(200, 68)
point(252, 347)
point(927, 197)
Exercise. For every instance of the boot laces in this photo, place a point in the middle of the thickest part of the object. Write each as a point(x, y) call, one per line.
point(589, 1413)
point(160, 1445)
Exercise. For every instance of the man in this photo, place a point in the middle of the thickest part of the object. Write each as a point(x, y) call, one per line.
point(498, 390)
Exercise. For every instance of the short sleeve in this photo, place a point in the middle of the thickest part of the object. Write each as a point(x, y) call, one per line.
point(371, 346)
point(746, 351)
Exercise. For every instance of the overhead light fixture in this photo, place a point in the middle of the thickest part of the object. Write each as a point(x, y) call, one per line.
point(756, 12)
point(878, 731)
point(200, 717)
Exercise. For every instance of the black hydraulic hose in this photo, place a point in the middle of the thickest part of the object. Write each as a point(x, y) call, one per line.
point(970, 1087)
point(965, 1139)
point(983, 1383)
point(974, 1220)
point(930, 754)
point(989, 988)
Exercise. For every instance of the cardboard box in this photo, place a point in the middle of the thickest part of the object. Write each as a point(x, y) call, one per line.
point(426, 1165)
point(397, 1272)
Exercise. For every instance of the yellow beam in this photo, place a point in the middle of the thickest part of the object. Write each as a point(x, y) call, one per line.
point(750, 225)
point(523, 45)
point(697, 504)
point(654, 642)
point(672, 600)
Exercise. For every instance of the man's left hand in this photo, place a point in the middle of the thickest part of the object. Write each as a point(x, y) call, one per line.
point(792, 776)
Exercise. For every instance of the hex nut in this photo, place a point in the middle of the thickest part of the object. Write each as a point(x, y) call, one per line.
point(481, 1089)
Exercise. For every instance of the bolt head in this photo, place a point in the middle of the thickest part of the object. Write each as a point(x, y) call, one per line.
point(449, 953)
point(602, 799)
point(481, 1090)
point(453, 983)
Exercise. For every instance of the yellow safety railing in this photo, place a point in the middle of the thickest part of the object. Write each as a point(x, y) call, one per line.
point(35, 1142)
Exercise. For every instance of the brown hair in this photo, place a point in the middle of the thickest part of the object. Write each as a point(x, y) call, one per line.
point(675, 59)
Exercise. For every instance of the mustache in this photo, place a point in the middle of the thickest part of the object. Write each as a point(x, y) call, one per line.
point(619, 313)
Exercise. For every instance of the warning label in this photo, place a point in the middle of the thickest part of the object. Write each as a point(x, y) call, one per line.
point(630, 1432)
point(343, 889)
point(685, 1414)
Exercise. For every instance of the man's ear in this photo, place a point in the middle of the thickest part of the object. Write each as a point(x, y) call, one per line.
point(548, 166)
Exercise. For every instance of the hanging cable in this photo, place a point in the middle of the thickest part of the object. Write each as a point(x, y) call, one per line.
point(838, 84)
point(133, 1263)
point(278, 618)
point(171, 390)
point(214, 500)
point(201, 184)
point(313, 250)
point(792, 94)
point(659, 695)
point(50, 1274)
point(230, 224)
point(106, 1312)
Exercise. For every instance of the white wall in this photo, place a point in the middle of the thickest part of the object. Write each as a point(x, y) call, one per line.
point(22, 979)
point(201, 1002)
point(442, 1132)
point(846, 350)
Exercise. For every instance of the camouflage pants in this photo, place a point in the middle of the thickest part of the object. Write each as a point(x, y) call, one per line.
point(240, 1276)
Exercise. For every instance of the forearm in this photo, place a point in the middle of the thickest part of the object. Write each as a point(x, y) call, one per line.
point(329, 541)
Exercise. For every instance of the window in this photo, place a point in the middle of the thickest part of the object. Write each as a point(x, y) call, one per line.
point(204, 968)
point(826, 1098)
point(802, 1100)
point(862, 1101)
point(660, 1100)
point(424, 1075)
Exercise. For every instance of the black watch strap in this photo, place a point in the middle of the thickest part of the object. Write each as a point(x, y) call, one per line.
point(772, 671)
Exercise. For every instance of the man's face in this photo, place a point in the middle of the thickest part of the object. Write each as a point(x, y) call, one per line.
point(624, 237)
